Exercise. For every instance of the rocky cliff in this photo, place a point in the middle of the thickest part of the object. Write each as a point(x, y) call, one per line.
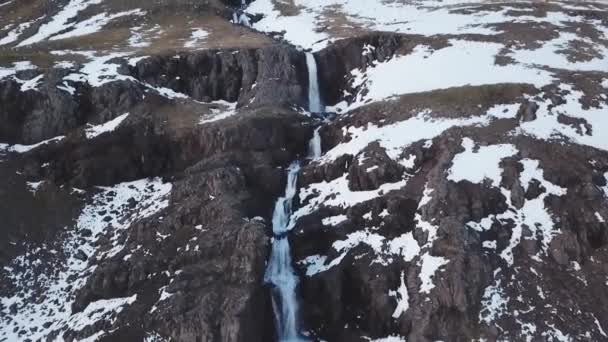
point(461, 193)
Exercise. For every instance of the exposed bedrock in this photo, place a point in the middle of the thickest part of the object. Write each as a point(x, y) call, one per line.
point(226, 175)
point(336, 62)
point(274, 75)
point(212, 254)
point(351, 295)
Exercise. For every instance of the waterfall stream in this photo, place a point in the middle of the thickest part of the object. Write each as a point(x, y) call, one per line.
point(314, 145)
point(280, 273)
point(314, 99)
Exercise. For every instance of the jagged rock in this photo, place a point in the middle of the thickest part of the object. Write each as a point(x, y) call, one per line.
point(527, 111)
point(372, 168)
point(273, 75)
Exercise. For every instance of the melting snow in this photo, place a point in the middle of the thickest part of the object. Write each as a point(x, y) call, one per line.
point(391, 338)
point(98, 310)
point(547, 55)
point(504, 111)
point(14, 35)
point(304, 29)
point(337, 193)
point(31, 84)
point(98, 71)
point(385, 250)
point(33, 186)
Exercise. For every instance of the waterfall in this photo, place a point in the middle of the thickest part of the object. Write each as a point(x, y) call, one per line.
point(314, 145)
point(244, 20)
point(280, 271)
point(314, 99)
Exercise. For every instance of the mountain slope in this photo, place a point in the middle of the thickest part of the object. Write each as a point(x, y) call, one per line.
point(461, 193)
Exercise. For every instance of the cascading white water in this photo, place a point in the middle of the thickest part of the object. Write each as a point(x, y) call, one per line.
point(314, 99)
point(314, 145)
point(280, 273)
point(244, 20)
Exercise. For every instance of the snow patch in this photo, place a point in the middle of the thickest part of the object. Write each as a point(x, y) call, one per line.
point(17, 66)
point(223, 110)
point(464, 63)
point(475, 166)
point(15, 33)
point(334, 220)
point(196, 37)
point(547, 127)
point(60, 22)
point(402, 297)
point(94, 131)
point(94, 24)
point(493, 303)
point(429, 266)
point(395, 137)
point(18, 148)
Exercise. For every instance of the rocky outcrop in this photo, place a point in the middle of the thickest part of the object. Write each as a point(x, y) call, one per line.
point(336, 62)
point(196, 265)
point(272, 75)
point(374, 253)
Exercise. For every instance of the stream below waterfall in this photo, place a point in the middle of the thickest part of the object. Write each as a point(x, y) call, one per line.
point(280, 273)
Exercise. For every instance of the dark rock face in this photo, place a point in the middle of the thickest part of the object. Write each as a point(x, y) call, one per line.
point(373, 168)
point(336, 62)
point(193, 267)
point(273, 75)
point(32, 116)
